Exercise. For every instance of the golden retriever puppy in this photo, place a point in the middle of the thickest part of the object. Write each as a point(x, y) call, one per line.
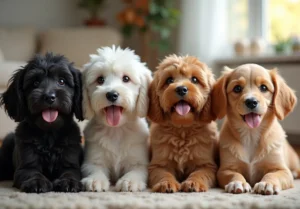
point(253, 146)
point(183, 138)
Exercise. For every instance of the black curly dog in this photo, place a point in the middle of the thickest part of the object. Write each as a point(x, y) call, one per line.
point(44, 154)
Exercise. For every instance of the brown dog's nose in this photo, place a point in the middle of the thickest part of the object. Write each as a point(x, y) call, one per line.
point(182, 90)
point(251, 103)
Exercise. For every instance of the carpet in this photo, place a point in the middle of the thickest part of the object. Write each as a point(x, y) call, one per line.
point(11, 198)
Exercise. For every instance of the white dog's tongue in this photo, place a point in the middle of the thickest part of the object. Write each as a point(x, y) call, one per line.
point(113, 115)
point(252, 120)
point(182, 108)
point(50, 115)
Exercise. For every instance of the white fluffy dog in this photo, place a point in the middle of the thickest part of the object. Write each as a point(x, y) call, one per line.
point(115, 101)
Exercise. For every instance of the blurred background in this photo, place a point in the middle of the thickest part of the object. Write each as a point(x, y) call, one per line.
point(227, 32)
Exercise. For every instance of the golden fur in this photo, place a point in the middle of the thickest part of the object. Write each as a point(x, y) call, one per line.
point(261, 156)
point(183, 146)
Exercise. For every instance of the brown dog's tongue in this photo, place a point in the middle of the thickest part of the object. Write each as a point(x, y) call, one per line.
point(182, 108)
point(252, 120)
point(113, 115)
point(50, 115)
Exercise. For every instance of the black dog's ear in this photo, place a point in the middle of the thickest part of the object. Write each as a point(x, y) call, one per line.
point(13, 98)
point(77, 99)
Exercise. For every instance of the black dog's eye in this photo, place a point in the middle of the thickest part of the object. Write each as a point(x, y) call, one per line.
point(126, 79)
point(194, 80)
point(100, 80)
point(169, 80)
point(263, 88)
point(61, 82)
point(237, 89)
point(36, 83)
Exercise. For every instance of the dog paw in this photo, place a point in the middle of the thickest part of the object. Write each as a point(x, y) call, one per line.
point(125, 185)
point(265, 188)
point(192, 186)
point(36, 186)
point(166, 187)
point(67, 185)
point(237, 187)
point(95, 185)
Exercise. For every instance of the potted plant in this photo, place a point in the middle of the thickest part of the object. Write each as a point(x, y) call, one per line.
point(93, 7)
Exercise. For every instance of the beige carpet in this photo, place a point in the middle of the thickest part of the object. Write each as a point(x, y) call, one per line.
point(214, 199)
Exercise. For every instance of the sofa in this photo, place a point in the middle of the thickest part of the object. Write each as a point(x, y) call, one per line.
point(17, 45)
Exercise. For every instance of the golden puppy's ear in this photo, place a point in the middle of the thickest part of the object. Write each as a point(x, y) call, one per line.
point(87, 110)
point(284, 98)
point(219, 95)
point(155, 112)
point(143, 99)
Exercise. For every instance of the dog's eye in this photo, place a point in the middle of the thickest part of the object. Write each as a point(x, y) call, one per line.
point(169, 80)
point(237, 89)
point(194, 80)
point(61, 82)
point(263, 88)
point(100, 80)
point(36, 83)
point(126, 79)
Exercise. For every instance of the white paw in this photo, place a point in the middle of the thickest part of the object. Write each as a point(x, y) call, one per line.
point(237, 187)
point(95, 185)
point(265, 188)
point(126, 185)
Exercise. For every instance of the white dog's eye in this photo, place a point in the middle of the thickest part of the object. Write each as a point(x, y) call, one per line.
point(126, 79)
point(100, 80)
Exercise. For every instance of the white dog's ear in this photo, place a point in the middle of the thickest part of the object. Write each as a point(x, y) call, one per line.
point(88, 112)
point(143, 99)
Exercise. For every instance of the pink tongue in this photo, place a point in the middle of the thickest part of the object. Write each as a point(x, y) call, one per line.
point(113, 115)
point(252, 120)
point(182, 108)
point(50, 115)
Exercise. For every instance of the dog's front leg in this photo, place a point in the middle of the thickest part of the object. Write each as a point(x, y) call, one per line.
point(95, 177)
point(68, 181)
point(201, 179)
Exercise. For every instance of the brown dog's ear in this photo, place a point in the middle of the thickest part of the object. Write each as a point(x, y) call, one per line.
point(155, 112)
point(219, 95)
point(284, 98)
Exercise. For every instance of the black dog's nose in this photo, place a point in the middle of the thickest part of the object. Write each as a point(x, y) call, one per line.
point(251, 103)
point(181, 90)
point(50, 98)
point(112, 96)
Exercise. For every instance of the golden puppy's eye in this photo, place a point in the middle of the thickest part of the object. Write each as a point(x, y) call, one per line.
point(194, 80)
point(237, 89)
point(263, 88)
point(169, 80)
point(126, 79)
point(100, 80)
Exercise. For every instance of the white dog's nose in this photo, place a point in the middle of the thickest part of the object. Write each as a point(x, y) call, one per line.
point(112, 96)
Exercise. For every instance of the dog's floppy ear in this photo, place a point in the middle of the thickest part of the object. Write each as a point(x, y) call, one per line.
point(219, 95)
point(284, 98)
point(143, 99)
point(155, 112)
point(77, 99)
point(88, 112)
point(13, 98)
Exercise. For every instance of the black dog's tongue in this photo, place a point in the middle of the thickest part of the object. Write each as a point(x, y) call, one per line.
point(50, 115)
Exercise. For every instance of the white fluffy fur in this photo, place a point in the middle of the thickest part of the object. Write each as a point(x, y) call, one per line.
point(116, 154)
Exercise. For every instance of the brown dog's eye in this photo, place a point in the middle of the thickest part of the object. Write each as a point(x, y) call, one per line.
point(36, 83)
point(169, 80)
point(126, 79)
point(263, 88)
point(61, 82)
point(237, 89)
point(194, 80)
point(100, 80)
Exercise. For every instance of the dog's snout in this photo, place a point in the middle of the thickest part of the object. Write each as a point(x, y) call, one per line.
point(112, 96)
point(182, 90)
point(251, 103)
point(50, 97)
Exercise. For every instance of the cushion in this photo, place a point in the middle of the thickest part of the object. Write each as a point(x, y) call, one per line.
point(18, 44)
point(77, 43)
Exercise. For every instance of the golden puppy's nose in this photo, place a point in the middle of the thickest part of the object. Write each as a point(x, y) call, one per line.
point(251, 103)
point(181, 90)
